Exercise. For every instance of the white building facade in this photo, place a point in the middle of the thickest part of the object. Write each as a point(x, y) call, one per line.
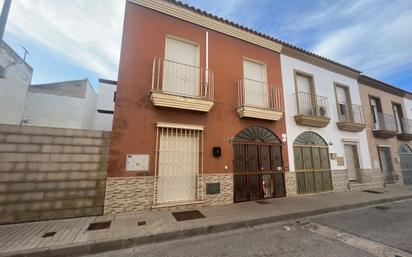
point(68, 104)
point(326, 139)
point(15, 79)
point(103, 116)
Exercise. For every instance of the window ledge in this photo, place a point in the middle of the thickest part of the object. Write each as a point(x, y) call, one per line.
point(161, 99)
point(259, 113)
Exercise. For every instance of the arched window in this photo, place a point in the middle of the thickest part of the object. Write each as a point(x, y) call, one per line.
point(256, 134)
point(309, 138)
point(312, 166)
point(404, 148)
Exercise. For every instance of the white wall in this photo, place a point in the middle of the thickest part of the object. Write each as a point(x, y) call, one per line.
point(105, 102)
point(408, 108)
point(62, 111)
point(323, 80)
point(13, 88)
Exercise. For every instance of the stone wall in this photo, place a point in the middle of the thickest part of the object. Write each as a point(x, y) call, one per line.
point(340, 180)
point(50, 173)
point(226, 189)
point(128, 194)
point(290, 183)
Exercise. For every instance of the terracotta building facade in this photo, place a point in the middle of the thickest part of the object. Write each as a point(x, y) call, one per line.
point(199, 113)
point(388, 129)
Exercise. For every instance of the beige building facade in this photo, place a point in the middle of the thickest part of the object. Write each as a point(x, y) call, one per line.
point(388, 130)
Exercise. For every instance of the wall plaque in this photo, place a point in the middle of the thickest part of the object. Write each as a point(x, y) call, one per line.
point(137, 162)
point(340, 161)
point(212, 188)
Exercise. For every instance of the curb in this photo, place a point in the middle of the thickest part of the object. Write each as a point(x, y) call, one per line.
point(95, 247)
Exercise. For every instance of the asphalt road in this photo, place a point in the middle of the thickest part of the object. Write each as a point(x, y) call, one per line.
point(389, 224)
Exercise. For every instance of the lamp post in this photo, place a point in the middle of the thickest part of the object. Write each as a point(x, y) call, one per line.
point(3, 17)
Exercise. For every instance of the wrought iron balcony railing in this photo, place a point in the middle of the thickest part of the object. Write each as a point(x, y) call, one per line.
point(313, 105)
point(182, 79)
point(383, 121)
point(350, 113)
point(259, 94)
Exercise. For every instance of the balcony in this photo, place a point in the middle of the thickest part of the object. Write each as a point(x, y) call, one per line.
point(350, 117)
point(181, 86)
point(313, 110)
point(383, 125)
point(405, 130)
point(259, 100)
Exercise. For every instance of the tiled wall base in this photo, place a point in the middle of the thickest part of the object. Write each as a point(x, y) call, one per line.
point(290, 183)
point(131, 194)
point(226, 189)
point(340, 180)
point(128, 194)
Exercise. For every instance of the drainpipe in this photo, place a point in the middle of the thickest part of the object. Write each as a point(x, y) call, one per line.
point(3, 17)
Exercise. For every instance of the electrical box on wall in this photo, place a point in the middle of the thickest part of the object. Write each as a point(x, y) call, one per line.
point(217, 151)
point(137, 162)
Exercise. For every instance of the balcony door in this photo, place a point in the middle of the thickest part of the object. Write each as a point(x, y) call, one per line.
point(304, 91)
point(342, 98)
point(397, 112)
point(255, 87)
point(181, 72)
point(376, 110)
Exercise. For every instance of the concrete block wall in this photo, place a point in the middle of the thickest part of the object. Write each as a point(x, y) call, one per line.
point(51, 173)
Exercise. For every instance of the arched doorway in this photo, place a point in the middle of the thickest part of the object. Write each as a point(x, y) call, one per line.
point(312, 166)
point(258, 165)
point(405, 156)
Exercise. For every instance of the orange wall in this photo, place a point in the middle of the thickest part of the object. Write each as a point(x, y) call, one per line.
point(134, 127)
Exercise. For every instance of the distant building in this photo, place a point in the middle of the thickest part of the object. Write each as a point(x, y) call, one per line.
point(67, 104)
point(15, 78)
point(103, 117)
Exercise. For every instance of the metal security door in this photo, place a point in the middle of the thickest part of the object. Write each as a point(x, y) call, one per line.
point(405, 155)
point(352, 162)
point(385, 158)
point(258, 172)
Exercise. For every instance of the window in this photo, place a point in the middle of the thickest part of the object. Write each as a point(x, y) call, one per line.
point(255, 86)
point(181, 72)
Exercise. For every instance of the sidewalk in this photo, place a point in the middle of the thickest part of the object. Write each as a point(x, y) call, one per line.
point(127, 230)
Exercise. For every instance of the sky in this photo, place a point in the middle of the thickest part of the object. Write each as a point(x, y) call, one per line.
point(74, 39)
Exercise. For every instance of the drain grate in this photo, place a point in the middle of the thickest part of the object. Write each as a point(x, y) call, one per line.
point(373, 191)
point(380, 207)
point(99, 225)
point(49, 234)
point(262, 202)
point(188, 215)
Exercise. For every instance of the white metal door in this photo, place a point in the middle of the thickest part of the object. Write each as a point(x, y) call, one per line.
point(178, 165)
point(181, 70)
point(352, 162)
point(255, 87)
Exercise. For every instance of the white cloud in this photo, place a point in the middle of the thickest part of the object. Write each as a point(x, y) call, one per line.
point(375, 36)
point(88, 33)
